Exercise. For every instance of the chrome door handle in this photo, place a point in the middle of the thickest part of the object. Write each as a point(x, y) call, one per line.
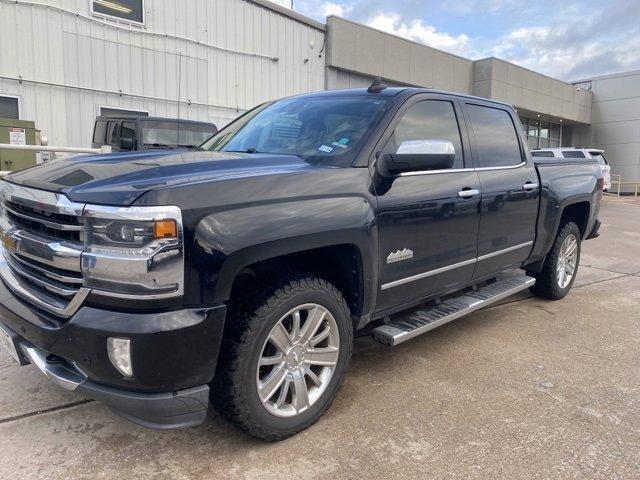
point(530, 186)
point(468, 193)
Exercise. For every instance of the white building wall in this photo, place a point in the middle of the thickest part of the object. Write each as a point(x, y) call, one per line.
point(616, 122)
point(205, 60)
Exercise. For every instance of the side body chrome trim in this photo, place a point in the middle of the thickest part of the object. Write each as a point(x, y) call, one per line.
point(458, 170)
point(505, 250)
point(430, 273)
point(437, 271)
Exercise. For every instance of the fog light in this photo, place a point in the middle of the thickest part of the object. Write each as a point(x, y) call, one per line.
point(119, 350)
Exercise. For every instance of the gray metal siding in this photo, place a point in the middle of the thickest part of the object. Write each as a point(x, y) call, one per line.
point(234, 54)
point(616, 123)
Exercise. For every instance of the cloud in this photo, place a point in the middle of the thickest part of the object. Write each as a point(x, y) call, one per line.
point(481, 6)
point(570, 40)
point(564, 51)
point(418, 31)
point(330, 8)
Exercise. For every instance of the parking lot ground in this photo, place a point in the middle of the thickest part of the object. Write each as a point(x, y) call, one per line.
point(526, 389)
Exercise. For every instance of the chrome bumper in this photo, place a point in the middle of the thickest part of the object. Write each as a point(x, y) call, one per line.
point(61, 373)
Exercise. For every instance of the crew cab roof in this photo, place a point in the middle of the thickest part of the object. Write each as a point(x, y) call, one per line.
point(395, 92)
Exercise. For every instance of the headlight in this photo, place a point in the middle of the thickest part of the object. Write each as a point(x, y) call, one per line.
point(108, 232)
point(134, 252)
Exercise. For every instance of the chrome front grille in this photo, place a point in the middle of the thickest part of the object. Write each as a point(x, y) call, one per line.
point(42, 244)
point(59, 226)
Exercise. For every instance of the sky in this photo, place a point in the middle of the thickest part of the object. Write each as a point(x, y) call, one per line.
point(566, 39)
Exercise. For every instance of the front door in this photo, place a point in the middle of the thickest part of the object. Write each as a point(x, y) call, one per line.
point(509, 184)
point(427, 221)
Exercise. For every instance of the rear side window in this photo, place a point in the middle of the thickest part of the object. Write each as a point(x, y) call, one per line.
point(496, 137)
point(429, 120)
point(573, 154)
point(542, 154)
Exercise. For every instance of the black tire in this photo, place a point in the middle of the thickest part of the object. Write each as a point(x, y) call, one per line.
point(547, 284)
point(234, 393)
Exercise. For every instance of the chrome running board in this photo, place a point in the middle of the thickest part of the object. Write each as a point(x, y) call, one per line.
point(403, 328)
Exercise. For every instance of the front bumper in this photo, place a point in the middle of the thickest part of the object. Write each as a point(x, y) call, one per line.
point(183, 408)
point(174, 357)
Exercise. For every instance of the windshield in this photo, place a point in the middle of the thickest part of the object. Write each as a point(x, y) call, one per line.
point(165, 134)
point(324, 130)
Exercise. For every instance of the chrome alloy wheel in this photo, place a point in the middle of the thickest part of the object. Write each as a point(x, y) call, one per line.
point(298, 360)
point(567, 261)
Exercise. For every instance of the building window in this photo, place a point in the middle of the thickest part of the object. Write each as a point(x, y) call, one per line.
point(541, 134)
point(10, 107)
point(121, 112)
point(130, 10)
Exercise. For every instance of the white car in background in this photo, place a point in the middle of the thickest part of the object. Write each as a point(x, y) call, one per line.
point(577, 152)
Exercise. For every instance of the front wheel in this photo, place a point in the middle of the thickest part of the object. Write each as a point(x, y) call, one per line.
point(284, 358)
point(561, 265)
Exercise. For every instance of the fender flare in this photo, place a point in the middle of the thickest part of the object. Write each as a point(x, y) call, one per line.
point(553, 225)
point(226, 242)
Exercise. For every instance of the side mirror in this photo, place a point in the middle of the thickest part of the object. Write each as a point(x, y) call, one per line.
point(417, 156)
point(126, 143)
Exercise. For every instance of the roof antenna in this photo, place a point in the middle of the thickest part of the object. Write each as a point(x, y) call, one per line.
point(376, 86)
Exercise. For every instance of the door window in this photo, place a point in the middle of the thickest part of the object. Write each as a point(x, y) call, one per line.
point(128, 130)
point(113, 133)
point(496, 137)
point(99, 132)
point(429, 120)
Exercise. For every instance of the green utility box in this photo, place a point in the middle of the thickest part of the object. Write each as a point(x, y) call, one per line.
point(17, 132)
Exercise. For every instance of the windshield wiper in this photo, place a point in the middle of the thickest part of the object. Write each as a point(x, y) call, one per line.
point(248, 150)
point(159, 145)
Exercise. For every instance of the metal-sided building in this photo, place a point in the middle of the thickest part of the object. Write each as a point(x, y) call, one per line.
point(63, 62)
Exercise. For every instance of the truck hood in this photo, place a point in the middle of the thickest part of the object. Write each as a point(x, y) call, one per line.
point(119, 179)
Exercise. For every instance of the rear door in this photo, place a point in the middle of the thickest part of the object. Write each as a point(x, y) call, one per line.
point(509, 184)
point(427, 229)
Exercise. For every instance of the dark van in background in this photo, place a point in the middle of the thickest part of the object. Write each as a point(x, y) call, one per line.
point(149, 133)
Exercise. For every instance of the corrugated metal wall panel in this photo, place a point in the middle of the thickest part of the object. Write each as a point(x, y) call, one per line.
point(227, 65)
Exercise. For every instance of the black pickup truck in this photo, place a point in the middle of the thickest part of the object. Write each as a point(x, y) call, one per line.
point(160, 282)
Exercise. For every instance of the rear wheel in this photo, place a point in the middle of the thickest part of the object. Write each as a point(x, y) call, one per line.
point(561, 265)
point(283, 358)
